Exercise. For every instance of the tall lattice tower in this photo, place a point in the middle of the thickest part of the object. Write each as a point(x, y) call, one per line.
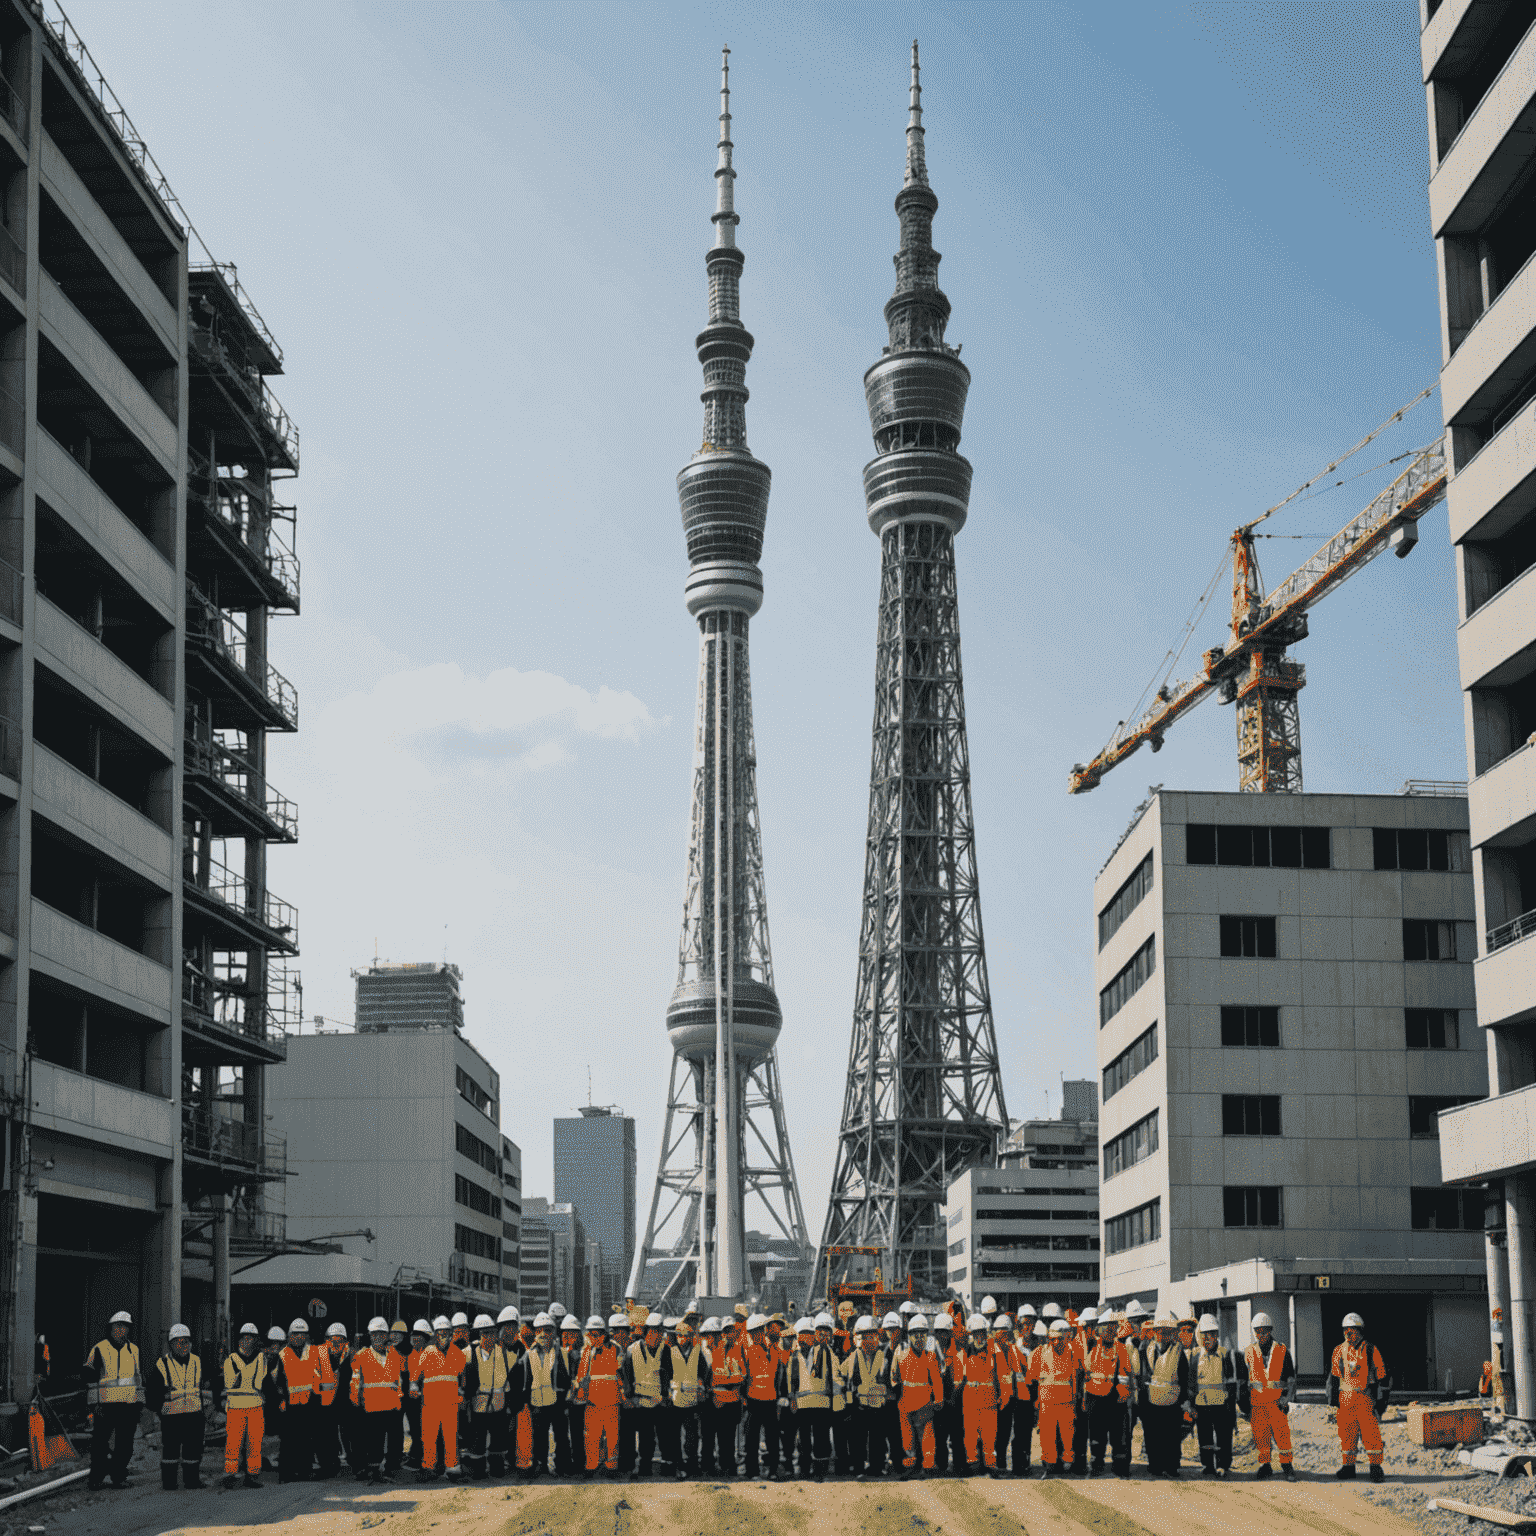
point(725, 1138)
point(924, 1098)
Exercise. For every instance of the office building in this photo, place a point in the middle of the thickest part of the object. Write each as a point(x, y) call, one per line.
point(422, 996)
point(1285, 1008)
point(1479, 62)
point(595, 1172)
point(554, 1261)
point(511, 1221)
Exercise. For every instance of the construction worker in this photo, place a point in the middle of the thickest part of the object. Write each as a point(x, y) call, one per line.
point(174, 1390)
point(1056, 1378)
point(808, 1386)
point(1267, 1380)
point(519, 1418)
point(948, 1422)
point(1215, 1373)
point(421, 1338)
point(688, 1388)
point(621, 1337)
point(842, 1334)
point(436, 1390)
point(394, 1431)
point(335, 1431)
point(245, 1392)
point(543, 1384)
point(1359, 1389)
point(918, 1376)
point(460, 1326)
point(489, 1380)
point(1106, 1390)
point(376, 1394)
point(569, 1434)
point(826, 1338)
point(984, 1382)
point(867, 1381)
point(1167, 1398)
point(765, 1392)
point(599, 1389)
point(115, 1396)
point(297, 1386)
point(1021, 1411)
point(645, 1387)
point(1007, 1362)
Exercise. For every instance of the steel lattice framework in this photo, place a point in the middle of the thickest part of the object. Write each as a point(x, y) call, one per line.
point(924, 1099)
point(725, 1136)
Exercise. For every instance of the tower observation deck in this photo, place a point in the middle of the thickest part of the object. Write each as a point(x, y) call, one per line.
point(725, 1137)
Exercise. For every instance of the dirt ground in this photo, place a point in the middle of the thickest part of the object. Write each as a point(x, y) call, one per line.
point(1314, 1506)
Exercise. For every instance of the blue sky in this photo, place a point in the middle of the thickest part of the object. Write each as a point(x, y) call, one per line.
point(1187, 248)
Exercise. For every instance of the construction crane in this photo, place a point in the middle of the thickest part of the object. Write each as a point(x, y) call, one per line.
point(1252, 668)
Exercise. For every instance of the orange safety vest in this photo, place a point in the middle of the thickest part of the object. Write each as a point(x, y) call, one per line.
point(921, 1379)
point(598, 1383)
point(331, 1367)
point(987, 1378)
point(376, 1381)
point(1358, 1370)
point(1056, 1373)
point(1264, 1381)
point(301, 1372)
point(762, 1362)
point(435, 1373)
point(728, 1372)
point(1108, 1368)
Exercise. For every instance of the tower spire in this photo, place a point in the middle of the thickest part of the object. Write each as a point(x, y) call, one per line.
point(724, 216)
point(917, 168)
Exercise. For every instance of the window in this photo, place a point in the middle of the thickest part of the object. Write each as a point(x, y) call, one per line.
point(1242, 937)
point(1432, 1029)
point(1250, 1026)
point(475, 1150)
point(1134, 1059)
point(1422, 1113)
point(1250, 1114)
point(1129, 980)
point(955, 1249)
point(471, 1092)
point(1427, 939)
point(1410, 848)
point(1446, 1210)
point(957, 1215)
point(1251, 1205)
point(467, 1192)
point(1260, 847)
point(1125, 901)
point(1131, 1147)
point(1143, 1225)
point(478, 1244)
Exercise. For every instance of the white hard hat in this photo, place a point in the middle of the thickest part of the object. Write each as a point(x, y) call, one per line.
point(275, 1335)
point(298, 1325)
point(917, 1323)
point(1040, 1331)
point(337, 1331)
point(976, 1321)
point(421, 1325)
point(907, 1307)
point(120, 1317)
point(1135, 1310)
point(484, 1320)
point(508, 1315)
point(1026, 1311)
point(824, 1320)
point(756, 1321)
point(1261, 1320)
point(710, 1325)
point(556, 1310)
point(596, 1322)
point(441, 1323)
point(943, 1323)
point(804, 1325)
point(461, 1320)
point(672, 1322)
point(249, 1328)
point(1108, 1317)
point(617, 1321)
point(1088, 1315)
point(377, 1325)
point(1352, 1320)
point(543, 1320)
point(988, 1305)
point(1060, 1325)
point(570, 1323)
point(1207, 1324)
point(655, 1320)
point(180, 1331)
point(893, 1320)
point(1002, 1321)
point(1050, 1309)
point(865, 1324)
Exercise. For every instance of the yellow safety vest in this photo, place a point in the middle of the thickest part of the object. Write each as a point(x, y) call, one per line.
point(812, 1370)
point(491, 1381)
point(541, 1373)
point(1163, 1389)
point(121, 1380)
point(1210, 1371)
point(687, 1390)
point(868, 1390)
point(243, 1380)
point(183, 1384)
point(646, 1369)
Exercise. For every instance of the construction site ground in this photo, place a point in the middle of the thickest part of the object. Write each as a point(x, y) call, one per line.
point(1315, 1505)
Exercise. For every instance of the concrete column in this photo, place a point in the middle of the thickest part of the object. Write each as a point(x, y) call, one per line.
point(222, 1330)
point(1520, 1316)
point(1497, 1255)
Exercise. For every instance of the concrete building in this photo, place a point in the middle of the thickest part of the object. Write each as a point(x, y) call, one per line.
point(595, 1172)
point(423, 996)
point(1479, 62)
point(511, 1222)
point(1285, 1007)
point(1028, 1230)
point(554, 1257)
point(144, 542)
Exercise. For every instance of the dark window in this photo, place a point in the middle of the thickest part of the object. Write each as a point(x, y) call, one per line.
point(1411, 848)
point(1316, 848)
point(1143, 1225)
point(478, 1244)
point(1250, 1026)
point(467, 1192)
point(1234, 845)
point(1428, 939)
point(1432, 1029)
point(1250, 1114)
point(470, 1146)
point(1134, 1059)
point(1128, 981)
point(1125, 901)
point(1248, 936)
point(1446, 1210)
point(1199, 843)
point(1262, 847)
point(1422, 1112)
point(1131, 1146)
point(1251, 1205)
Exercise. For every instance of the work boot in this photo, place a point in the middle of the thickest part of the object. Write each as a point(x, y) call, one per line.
point(1048, 1470)
point(1288, 1472)
point(251, 1481)
point(1264, 1471)
point(1378, 1475)
point(230, 1480)
point(1347, 1470)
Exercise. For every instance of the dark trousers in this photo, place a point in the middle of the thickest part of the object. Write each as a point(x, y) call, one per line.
point(812, 1427)
point(485, 1443)
point(1021, 1433)
point(680, 1439)
point(841, 1457)
point(413, 1426)
point(1080, 1444)
point(181, 1445)
point(296, 1441)
point(394, 1439)
point(1164, 1431)
point(626, 1441)
point(114, 1423)
point(762, 1427)
point(948, 1437)
point(723, 1423)
point(643, 1422)
point(576, 1435)
point(546, 1422)
point(370, 1437)
point(327, 1441)
point(866, 1440)
point(706, 1412)
point(1213, 1432)
point(1108, 1427)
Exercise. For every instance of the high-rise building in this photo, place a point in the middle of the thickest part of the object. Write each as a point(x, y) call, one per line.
point(1479, 63)
point(924, 1099)
point(424, 995)
point(511, 1220)
point(595, 1172)
point(146, 539)
point(723, 1019)
point(1284, 1015)
point(556, 1265)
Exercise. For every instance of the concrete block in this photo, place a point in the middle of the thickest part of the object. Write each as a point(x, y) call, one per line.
point(1327, 1117)
point(1325, 893)
point(1375, 893)
point(1381, 1072)
point(1327, 983)
point(1382, 984)
point(1445, 1426)
point(1377, 939)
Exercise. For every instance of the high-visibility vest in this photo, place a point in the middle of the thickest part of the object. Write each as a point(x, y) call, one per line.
point(762, 1362)
point(541, 1376)
point(1104, 1373)
point(1210, 1377)
point(1018, 1359)
point(1056, 1374)
point(983, 1371)
point(921, 1378)
point(120, 1379)
point(598, 1383)
point(1264, 1385)
point(435, 1372)
point(243, 1381)
point(183, 1384)
point(811, 1377)
point(645, 1369)
point(491, 1372)
point(301, 1372)
point(1163, 1389)
point(327, 1376)
point(687, 1376)
point(1358, 1370)
point(728, 1375)
point(864, 1383)
point(376, 1381)
point(332, 1367)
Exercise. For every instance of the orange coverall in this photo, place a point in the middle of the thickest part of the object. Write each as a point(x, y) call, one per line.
point(597, 1385)
point(922, 1382)
point(435, 1379)
point(1357, 1413)
point(1269, 1422)
point(1057, 1373)
point(988, 1386)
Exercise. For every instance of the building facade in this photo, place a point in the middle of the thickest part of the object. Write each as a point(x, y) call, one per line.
point(1479, 62)
point(1285, 1010)
point(556, 1265)
point(408, 996)
point(146, 540)
point(595, 1172)
point(511, 1221)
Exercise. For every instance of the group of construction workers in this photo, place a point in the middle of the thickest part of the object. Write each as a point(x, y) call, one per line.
point(714, 1396)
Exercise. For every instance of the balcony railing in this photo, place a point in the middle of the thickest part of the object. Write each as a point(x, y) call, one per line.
point(10, 747)
point(218, 1140)
point(10, 592)
point(252, 386)
point(13, 262)
point(234, 890)
point(237, 503)
point(1443, 787)
point(214, 760)
point(235, 1013)
point(222, 632)
point(13, 422)
point(258, 1230)
point(13, 109)
point(1511, 933)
